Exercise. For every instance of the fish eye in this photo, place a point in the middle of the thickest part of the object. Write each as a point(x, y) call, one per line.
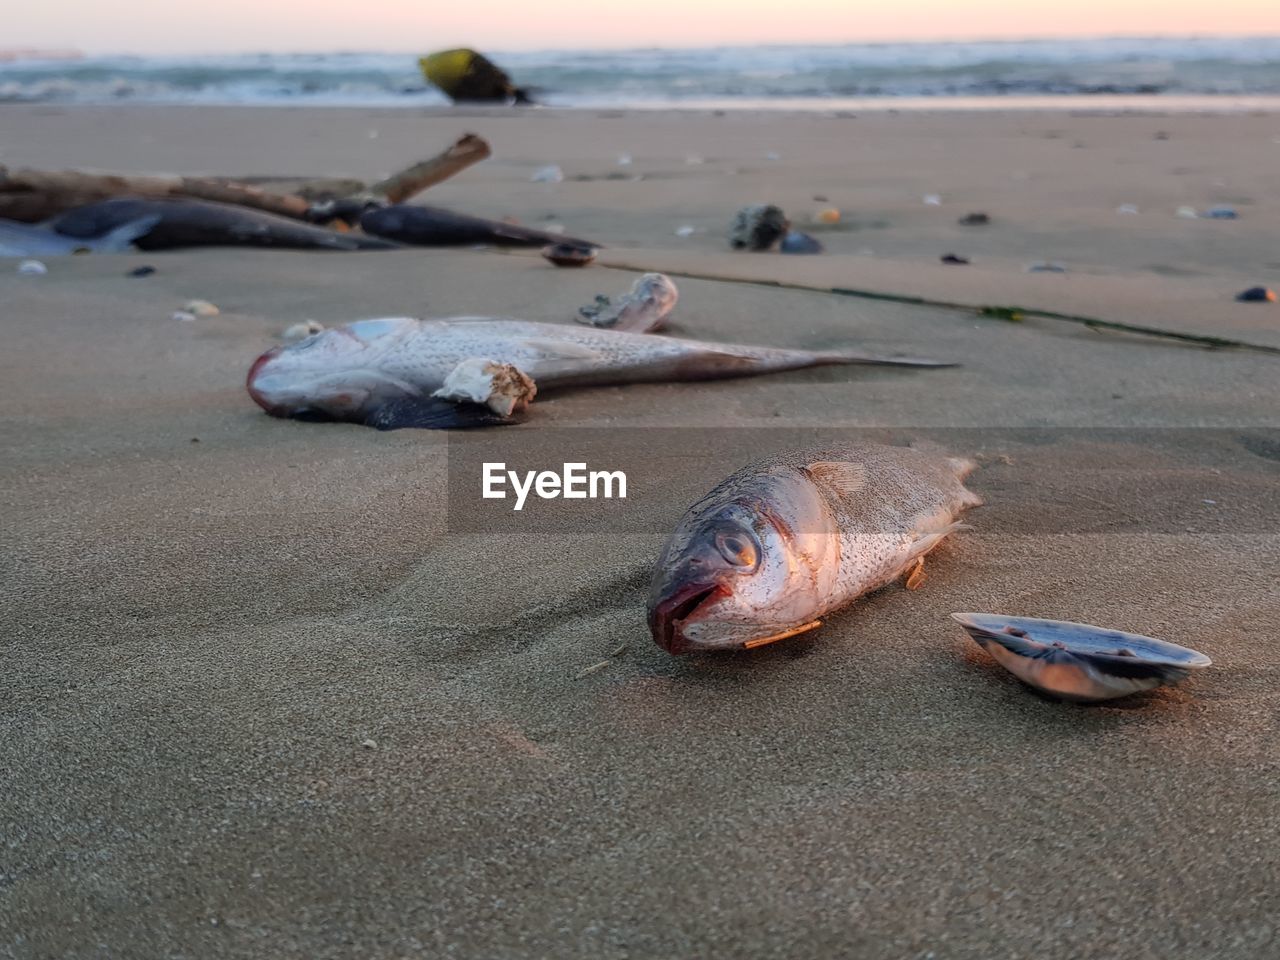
point(737, 549)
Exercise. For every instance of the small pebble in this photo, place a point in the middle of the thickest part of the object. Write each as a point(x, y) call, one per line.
point(797, 242)
point(1257, 295)
point(974, 220)
point(1128, 208)
point(829, 215)
point(369, 744)
point(1222, 213)
point(1188, 213)
point(183, 316)
point(1046, 266)
point(954, 259)
point(201, 308)
point(300, 331)
point(551, 174)
point(773, 155)
point(32, 268)
point(687, 230)
point(144, 271)
point(624, 159)
point(932, 200)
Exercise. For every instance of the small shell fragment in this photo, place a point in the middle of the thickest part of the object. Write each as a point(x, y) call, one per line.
point(32, 268)
point(201, 308)
point(1078, 661)
point(300, 331)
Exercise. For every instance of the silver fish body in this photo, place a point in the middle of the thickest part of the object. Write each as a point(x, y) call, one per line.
point(351, 371)
point(791, 538)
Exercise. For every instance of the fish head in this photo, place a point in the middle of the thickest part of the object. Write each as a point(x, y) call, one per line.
point(333, 372)
point(746, 572)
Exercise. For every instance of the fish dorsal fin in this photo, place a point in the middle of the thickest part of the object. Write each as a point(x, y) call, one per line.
point(562, 349)
point(841, 476)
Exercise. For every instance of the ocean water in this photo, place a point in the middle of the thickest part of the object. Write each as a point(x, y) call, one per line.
point(795, 75)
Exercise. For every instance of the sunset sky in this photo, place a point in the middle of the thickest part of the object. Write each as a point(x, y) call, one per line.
point(170, 26)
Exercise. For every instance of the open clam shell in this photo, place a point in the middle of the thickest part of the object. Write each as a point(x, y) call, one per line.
point(1078, 661)
point(569, 254)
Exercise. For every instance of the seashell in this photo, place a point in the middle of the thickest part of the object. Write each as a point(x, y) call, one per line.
point(551, 174)
point(32, 268)
point(1077, 661)
point(569, 254)
point(300, 331)
point(201, 308)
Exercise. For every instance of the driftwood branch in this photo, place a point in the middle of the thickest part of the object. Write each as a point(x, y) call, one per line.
point(32, 195)
point(66, 188)
point(412, 181)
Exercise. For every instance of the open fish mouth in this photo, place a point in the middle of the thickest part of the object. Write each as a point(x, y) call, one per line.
point(251, 383)
point(670, 615)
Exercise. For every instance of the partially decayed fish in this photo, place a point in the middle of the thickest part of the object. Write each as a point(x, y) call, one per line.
point(383, 372)
point(786, 540)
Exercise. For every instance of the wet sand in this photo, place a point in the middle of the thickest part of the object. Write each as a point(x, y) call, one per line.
point(266, 693)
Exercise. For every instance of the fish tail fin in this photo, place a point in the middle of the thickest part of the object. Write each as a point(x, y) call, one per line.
point(122, 237)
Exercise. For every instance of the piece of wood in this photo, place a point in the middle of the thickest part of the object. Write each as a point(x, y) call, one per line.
point(34, 195)
point(68, 188)
point(469, 149)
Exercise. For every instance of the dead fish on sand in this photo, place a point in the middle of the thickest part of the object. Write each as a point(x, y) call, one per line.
point(384, 371)
point(433, 227)
point(1077, 661)
point(791, 538)
point(181, 223)
point(26, 240)
point(642, 309)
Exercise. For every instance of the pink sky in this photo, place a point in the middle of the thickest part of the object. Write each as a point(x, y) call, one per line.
point(154, 26)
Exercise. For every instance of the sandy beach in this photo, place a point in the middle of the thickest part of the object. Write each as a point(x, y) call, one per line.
point(267, 691)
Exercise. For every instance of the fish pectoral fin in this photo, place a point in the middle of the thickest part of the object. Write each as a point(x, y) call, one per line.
point(842, 477)
point(562, 350)
point(432, 413)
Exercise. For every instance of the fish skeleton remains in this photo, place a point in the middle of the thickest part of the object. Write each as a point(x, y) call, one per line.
point(787, 540)
point(26, 240)
point(383, 372)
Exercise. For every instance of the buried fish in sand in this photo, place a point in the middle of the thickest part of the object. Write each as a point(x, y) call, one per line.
point(384, 372)
point(791, 538)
